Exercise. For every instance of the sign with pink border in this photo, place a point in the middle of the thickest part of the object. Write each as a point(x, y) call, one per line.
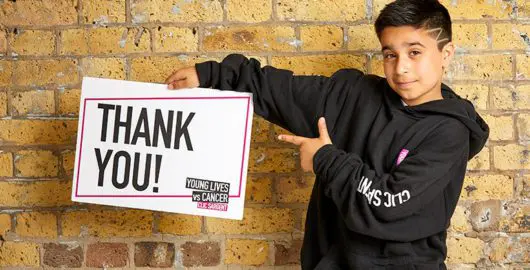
point(142, 146)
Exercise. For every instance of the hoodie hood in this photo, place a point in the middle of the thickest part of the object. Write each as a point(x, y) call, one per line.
point(453, 106)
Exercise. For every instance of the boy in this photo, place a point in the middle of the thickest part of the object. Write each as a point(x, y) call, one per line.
point(390, 169)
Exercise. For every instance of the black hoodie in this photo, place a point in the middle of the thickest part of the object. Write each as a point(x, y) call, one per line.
point(387, 187)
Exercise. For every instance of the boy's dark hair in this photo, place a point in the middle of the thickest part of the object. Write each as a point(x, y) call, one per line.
point(427, 14)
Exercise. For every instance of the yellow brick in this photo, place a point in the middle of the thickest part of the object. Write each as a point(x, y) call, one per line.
point(378, 5)
point(179, 224)
point(19, 254)
point(508, 36)
point(264, 160)
point(258, 189)
point(499, 249)
point(319, 64)
point(464, 250)
point(41, 72)
point(29, 163)
point(324, 10)
point(182, 11)
point(260, 129)
point(3, 104)
point(41, 193)
point(157, 69)
point(246, 251)
point(459, 221)
point(295, 189)
point(6, 164)
point(478, 9)
point(476, 93)
point(121, 40)
point(107, 223)
point(33, 103)
point(3, 42)
point(250, 38)
point(304, 219)
point(523, 66)
point(33, 42)
point(517, 220)
point(363, 37)
point(68, 159)
point(110, 68)
point(321, 38)
point(526, 186)
point(262, 220)
point(480, 161)
point(511, 157)
point(176, 39)
point(69, 101)
point(523, 126)
point(377, 66)
point(248, 10)
point(481, 67)
point(511, 98)
point(36, 224)
point(470, 36)
point(5, 224)
point(6, 70)
point(31, 132)
point(523, 8)
point(501, 127)
point(487, 187)
point(74, 41)
point(104, 11)
point(41, 13)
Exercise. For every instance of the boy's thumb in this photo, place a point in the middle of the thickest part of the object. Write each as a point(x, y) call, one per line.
point(323, 129)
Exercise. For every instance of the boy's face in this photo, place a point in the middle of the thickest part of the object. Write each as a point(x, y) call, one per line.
point(413, 64)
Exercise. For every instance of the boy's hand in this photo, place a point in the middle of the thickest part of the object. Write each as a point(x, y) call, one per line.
point(309, 146)
point(183, 78)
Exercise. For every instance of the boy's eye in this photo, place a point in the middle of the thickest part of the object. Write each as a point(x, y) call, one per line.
point(389, 56)
point(414, 53)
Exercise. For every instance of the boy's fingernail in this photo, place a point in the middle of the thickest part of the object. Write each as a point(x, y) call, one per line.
point(280, 137)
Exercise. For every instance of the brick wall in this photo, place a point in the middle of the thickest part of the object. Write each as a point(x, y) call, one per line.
point(46, 46)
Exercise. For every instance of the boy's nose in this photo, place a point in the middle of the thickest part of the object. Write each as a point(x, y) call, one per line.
point(402, 67)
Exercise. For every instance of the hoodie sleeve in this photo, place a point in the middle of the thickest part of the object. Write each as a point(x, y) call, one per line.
point(389, 206)
point(289, 101)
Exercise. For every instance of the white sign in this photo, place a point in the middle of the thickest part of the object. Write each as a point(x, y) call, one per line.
point(140, 145)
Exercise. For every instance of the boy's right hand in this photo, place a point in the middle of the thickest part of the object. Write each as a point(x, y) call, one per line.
point(183, 78)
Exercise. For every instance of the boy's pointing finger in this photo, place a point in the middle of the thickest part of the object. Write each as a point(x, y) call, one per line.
point(291, 139)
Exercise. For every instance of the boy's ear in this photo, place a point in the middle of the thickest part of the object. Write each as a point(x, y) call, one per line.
point(448, 51)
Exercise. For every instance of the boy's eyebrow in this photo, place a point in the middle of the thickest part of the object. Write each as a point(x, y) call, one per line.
point(408, 44)
point(386, 47)
point(415, 43)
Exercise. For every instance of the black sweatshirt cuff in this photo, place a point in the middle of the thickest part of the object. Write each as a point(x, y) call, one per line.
point(204, 72)
point(321, 156)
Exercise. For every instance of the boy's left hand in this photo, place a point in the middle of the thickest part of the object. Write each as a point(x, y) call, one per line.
point(309, 146)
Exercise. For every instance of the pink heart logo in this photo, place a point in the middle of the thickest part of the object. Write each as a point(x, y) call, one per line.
point(402, 155)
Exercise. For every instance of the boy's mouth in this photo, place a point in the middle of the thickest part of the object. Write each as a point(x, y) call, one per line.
point(405, 84)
